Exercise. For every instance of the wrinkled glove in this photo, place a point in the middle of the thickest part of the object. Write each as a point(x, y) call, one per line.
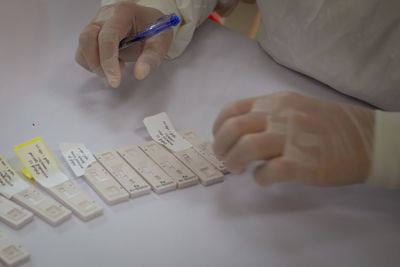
point(299, 138)
point(98, 43)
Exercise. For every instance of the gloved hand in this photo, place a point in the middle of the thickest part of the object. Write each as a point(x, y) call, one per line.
point(300, 138)
point(98, 43)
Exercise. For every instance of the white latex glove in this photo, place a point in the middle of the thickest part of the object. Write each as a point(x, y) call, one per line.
point(300, 138)
point(98, 43)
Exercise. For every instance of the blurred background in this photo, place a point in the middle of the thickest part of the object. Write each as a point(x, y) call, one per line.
point(244, 19)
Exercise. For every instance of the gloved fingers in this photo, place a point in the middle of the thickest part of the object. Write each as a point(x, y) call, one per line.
point(154, 50)
point(287, 102)
point(236, 128)
point(327, 153)
point(121, 64)
point(88, 41)
point(275, 171)
point(282, 170)
point(80, 59)
point(252, 147)
point(131, 53)
point(112, 32)
point(233, 109)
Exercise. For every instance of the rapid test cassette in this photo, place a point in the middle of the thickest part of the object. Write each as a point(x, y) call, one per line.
point(162, 131)
point(204, 148)
point(41, 164)
point(123, 173)
point(14, 215)
point(207, 172)
point(181, 174)
point(83, 163)
point(105, 185)
point(13, 187)
point(12, 254)
point(159, 181)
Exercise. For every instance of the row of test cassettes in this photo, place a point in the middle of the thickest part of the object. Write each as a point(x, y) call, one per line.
point(115, 176)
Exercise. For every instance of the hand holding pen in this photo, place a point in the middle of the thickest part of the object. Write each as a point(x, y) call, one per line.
point(125, 32)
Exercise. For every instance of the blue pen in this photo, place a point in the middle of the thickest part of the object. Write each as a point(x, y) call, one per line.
point(163, 23)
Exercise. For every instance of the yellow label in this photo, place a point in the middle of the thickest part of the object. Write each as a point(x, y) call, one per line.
point(39, 162)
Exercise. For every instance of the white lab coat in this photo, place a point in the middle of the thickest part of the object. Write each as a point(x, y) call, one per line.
point(351, 45)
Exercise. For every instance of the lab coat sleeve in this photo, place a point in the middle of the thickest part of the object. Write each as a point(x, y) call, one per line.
point(191, 12)
point(386, 151)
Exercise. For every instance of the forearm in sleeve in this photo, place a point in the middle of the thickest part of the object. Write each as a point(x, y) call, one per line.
point(386, 150)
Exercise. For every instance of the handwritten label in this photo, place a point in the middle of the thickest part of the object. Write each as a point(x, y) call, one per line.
point(163, 132)
point(39, 161)
point(10, 182)
point(77, 156)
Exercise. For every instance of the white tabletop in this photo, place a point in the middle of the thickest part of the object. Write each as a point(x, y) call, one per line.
point(43, 92)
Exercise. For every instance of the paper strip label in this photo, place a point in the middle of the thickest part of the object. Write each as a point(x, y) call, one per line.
point(10, 182)
point(77, 156)
point(163, 132)
point(37, 158)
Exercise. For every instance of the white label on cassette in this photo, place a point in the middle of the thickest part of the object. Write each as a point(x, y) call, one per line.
point(77, 156)
point(13, 214)
point(35, 155)
point(163, 132)
point(181, 174)
point(10, 182)
point(204, 148)
point(38, 159)
point(124, 174)
point(207, 172)
point(43, 206)
point(160, 181)
point(104, 184)
point(80, 203)
point(25, 195)
point(11, 253)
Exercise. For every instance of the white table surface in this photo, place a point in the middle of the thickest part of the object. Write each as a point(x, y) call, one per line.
point(43, 92)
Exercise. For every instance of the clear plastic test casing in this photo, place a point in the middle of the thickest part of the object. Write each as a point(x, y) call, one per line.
point(181, 174)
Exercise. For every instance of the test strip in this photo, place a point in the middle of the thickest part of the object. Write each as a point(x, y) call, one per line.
point(124, 174)
point(83, 163)
point(12, 186)
point(80, 203)
point(11, 253)
point(159, 181)
point(204, 148)
point(181, 174)
point(207, 172)
point(14, 215)
point(40, 162)
point(43, 206)
point(104, 184)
